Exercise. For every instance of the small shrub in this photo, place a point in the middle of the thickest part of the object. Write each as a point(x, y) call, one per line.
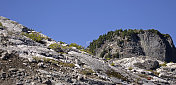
point(54, 46)
point(67, 64)
point(112, 73)
point(81, 48)
point(153, 31)
point(36, 58)
point(47, 60)
point(87, 71)
point(1, 24)
point(62, 42)
point(58, 48)
point(62, 52)
point(65, 47)
point(87, 51)
point(13, 22)
point(130, 68)
point(108, 58)
point(154, 72)
point(112, 64)
point(75, 45)
point(54, 62)
point(166, 35)
point(34, 36)
point(164, 64)
point(130, 32)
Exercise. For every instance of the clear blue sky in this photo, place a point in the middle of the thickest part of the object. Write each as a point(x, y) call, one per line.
point(81, 21)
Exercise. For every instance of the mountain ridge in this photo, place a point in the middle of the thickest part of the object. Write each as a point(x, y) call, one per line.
point(28, 57)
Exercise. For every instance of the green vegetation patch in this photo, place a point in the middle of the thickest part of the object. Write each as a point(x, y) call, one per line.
point(166, 35)
point(35, 36)
point(58, 48)
point(164, 64)
point(36, 58)
point(153, 31)
point(1, 24)
point(130, 68)
point(112, 64)
point(13, 22)
point(76, 45)
point(62, 42)
point(81, 48)
point(87, 71)
point(54, 46)
point(154, 72)
point(112, 73)
point(86, 50)
point(67, 64)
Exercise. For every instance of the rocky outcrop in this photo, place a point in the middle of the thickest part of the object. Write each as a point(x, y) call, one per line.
point(148, 65)
point(134, 43)
point(158, 46)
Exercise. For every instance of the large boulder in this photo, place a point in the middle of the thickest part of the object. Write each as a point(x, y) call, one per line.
point(148, 65)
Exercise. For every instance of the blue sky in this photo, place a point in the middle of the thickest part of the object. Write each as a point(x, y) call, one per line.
point(81, 21)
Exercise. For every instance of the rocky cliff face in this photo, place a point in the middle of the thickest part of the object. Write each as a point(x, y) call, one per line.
point(134, 43)
point(28, 57)
point(158, 46)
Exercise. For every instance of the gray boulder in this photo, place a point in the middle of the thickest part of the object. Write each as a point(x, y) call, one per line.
point(148, 65)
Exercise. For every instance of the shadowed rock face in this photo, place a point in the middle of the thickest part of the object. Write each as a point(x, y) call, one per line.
point(153, 44)
point(157, 46)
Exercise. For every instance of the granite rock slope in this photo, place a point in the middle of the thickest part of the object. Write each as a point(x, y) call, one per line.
point(28, 57)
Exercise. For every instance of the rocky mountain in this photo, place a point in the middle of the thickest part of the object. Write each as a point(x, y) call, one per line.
point(134, 43)
point(28, 57)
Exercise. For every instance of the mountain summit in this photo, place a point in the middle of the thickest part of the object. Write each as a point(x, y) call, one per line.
point(134, 43)
point(123, 57)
